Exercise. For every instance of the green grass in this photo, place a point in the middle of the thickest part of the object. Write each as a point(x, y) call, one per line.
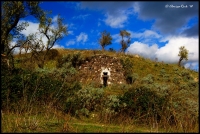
point(38, 123)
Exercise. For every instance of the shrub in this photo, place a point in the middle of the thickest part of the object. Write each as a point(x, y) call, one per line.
point(192, 84)
point(149, 79)
point(87, 98)
point(185, 73)
point(166, 77)
point(140, 101)
point(111, 104)
point(176, 80)
point(162, 72)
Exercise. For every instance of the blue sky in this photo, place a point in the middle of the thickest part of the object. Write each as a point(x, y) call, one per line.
point(157, 29)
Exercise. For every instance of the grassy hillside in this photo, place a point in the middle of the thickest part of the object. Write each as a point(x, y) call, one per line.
point(160, 97)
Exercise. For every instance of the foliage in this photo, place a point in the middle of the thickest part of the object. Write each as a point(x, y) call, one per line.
point(84, 101)
point(105, 39)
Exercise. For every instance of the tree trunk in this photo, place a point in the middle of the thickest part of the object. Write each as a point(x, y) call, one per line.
point(103, 48)
point(179, 62)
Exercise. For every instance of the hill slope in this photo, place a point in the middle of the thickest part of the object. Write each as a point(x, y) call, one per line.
point(154, 93)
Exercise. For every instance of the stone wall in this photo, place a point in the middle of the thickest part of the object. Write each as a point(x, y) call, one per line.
point(91, 71)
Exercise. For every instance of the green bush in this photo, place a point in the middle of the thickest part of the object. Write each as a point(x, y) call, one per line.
point(87, 98)
point(149, 79)
point(176, 80)
point(162, 72)
point(112, 104)
point(140, 101)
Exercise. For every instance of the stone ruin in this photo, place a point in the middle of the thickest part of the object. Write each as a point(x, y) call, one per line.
point(102, 69)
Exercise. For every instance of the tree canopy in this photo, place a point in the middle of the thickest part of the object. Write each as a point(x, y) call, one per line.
point(12, 12)
point(105, 39)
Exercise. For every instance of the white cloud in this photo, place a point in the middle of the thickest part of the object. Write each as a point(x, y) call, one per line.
point(169, 52)
point(55, 18)
point(116, 13)
point(136, 7)
point(99, 24)
point(143, 49)
point(16, 50)
point(116, 38)
point(150, 33)
point(81, 16)
point(82, 37)
point(145, 34)
point(71, 42)
point(71, 32)
point(116, 21)
point(58, 46)
point(71, 26)
point(32, 28)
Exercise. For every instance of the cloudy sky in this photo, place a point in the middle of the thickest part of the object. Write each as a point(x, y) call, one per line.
point(157, 29)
